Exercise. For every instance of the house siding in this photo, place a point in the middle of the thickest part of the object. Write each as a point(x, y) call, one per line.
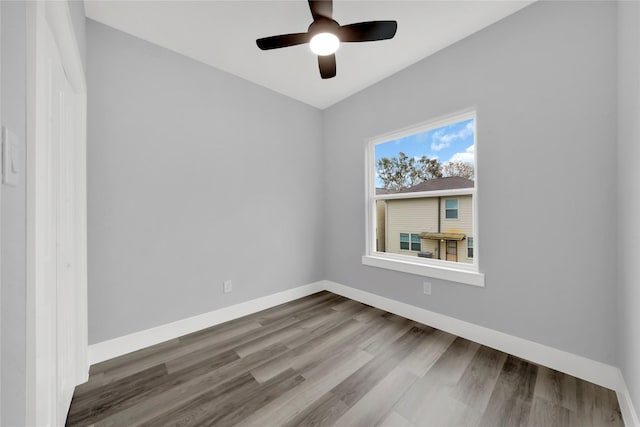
point(380, 225)
point(463, 224)
point(419, 215)
point(411, 216)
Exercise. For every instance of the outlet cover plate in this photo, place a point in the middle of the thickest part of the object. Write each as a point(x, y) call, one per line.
point(227, 286)
point(426, 287)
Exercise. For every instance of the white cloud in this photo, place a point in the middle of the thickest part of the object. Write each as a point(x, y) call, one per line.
point(441, 139)
point(466, 156)
point(417, 158)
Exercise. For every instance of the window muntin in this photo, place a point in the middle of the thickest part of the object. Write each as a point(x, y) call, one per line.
point(451, 208)
point(458, 133)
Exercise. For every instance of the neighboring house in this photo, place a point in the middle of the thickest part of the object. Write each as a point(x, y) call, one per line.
point(438, 227)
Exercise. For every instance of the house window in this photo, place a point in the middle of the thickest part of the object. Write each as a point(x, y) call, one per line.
point(410, 241)
point(415, 242)
point(420, 179)
point(404, 241)
point(451, 209)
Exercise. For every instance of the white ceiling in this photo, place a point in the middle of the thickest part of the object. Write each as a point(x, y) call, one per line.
point(223, 33)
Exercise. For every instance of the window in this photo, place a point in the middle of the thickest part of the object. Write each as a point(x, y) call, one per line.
point(451, 208)
point(419, 180)
point(410, 242)
point(415, 242)
point(404, 241)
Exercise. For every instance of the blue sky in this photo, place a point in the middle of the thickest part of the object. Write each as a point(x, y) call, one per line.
point(448, 143)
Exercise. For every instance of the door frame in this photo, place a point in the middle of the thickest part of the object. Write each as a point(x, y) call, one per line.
point(41, 374)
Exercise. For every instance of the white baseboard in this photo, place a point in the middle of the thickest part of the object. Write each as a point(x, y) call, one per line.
point(138, 340)
point(590, 370)
point(578, 366)
point(629, 415)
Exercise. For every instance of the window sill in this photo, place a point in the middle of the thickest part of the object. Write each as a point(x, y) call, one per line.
point(466, 277)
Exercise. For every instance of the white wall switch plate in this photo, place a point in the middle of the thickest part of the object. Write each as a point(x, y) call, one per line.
point(10, 160)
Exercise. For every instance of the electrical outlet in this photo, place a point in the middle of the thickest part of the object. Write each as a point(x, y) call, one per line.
point(426, 286)
point(227, 286)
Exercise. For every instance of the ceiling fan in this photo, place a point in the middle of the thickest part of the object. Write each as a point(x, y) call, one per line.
point(325, 34)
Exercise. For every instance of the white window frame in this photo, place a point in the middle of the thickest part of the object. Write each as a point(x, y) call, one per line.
point(440, 269)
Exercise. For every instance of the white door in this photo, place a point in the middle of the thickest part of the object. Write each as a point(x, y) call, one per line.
point(57, 258)
point(63, 104)
point(57, 219)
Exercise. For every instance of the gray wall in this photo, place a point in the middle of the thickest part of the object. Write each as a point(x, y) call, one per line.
point(195, 176)
point(544, 84)
point(629, 194)
point(13, 219)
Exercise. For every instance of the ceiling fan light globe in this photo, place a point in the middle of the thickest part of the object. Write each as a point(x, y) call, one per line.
point(324, 44)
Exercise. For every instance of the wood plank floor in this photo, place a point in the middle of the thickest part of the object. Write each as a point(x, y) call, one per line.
point(327, 360)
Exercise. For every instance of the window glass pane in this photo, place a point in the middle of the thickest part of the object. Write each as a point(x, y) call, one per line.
point(470, 242)
point(451, 206)
point(404, 241)
point(431, 160)
point(415, 242)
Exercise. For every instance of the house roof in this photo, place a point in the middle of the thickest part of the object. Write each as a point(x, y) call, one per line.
point(384, 191)
point(447, 183)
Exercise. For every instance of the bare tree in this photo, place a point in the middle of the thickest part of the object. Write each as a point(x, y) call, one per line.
point(403, 171)
point(459, 168)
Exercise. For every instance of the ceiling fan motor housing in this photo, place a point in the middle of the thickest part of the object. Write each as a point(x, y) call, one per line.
point(324, 25)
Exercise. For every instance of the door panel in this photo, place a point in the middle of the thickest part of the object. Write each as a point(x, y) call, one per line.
point(452, 250)
point(57, 185)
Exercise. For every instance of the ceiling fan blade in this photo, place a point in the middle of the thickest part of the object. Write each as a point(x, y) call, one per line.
point(321, 8)
point(284, 40)
point(327, 66)
point(368, 31)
